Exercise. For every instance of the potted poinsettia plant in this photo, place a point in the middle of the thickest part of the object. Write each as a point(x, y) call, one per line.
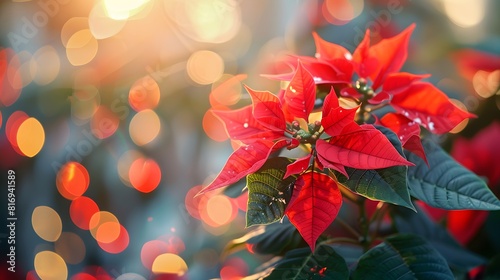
point(356, 121)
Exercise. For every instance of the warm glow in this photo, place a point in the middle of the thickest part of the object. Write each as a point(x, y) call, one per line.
point(108, 232)
point(72, 180)
point(72, 26)
point(342, 11)
point(45, 65)
point(30, 137)
point(10, 80)
point(205, 67)
point(144, 175)
point(49, 265)
point(486, 84)
point(119, 244)
point(101, 25)
point(169, 264)
point(462, 124)
point(81, 47)
point(465, 13)
point(192, 203)
point(131, 276)
point(144, 94)
point(234, 269)
point(12, 127)
point(213, 127)
point(83, 276)
point(123, 9)
point(144, 127)
point(24, 73)
point(151, 250)
point(84, 103)
point(104, 227)
point(46, 223)
point(104, 122)
point(124, 163)
point(70, 247)
point(212, 21)
point(81, 211)
point(217, 210)
point(227, 89)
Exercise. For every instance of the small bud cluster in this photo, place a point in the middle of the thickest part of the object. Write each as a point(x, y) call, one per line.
point(309, 136)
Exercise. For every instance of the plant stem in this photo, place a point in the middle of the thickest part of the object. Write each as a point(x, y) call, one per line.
point(377, 217)
point(364, 226)
point(348, 227)
point(339, 240)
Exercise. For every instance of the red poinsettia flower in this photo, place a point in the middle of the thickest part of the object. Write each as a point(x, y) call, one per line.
point(274, 122)
point(372, 74)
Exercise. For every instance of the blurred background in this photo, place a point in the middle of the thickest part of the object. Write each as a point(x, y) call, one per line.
point(103, 118)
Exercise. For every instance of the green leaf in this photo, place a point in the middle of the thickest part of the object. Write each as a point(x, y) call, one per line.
point(458, 257)
point(385, 184)
point(324, 264)
point(268, 192)
point(447, 184)
point(276, 239)
point(492, 271)
point(402, 257)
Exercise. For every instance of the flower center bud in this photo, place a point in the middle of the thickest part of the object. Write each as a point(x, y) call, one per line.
point(362, 87)
point(306, 136)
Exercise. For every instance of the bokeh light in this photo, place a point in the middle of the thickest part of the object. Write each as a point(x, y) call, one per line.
point(83, 276)
point(123, 9)
point(464, 13)
point(124, 163)
point(459, 127)
point(72, 180)
point(486, 84)
point(81, 210)
point(81, 48)
point(104, 122)
point(144, 94)
point(227, 89)
point(12, 127)
point(45, 65)
point(10, 80)
point(30, 137)
point(84, 103)
point(144, 127)
point(49, 265)
point(192, 202)
point(101, 25)
point(169, 264)
point(205, 67)
point(72, 26)
point(104, 227)
point(340, 12)
point(46, 223)
point(213, 127)
point(217, 210)
point(130, 276)
point(151, 250)
point(233, 269)
point(212, 21)
point(144, 175)
point(119, 244)
point(70, 247)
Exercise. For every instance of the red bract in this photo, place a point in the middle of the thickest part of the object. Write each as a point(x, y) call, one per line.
point(372, 73)
point(341, 139)
point(314, 206)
